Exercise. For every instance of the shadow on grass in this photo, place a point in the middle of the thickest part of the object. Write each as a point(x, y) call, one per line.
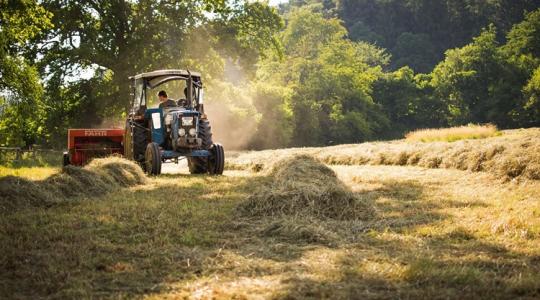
point(383, 263)
point(444, 269)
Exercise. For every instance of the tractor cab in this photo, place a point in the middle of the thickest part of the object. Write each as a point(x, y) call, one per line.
point(155, 135)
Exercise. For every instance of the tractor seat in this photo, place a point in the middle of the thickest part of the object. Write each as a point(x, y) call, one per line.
point(182, 102)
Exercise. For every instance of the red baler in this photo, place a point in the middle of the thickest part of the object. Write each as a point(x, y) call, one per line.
point(85, 144)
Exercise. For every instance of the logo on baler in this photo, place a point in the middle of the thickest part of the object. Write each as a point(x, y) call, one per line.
point(95, 133)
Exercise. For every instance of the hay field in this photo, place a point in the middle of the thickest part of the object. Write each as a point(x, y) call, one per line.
point(393, 231)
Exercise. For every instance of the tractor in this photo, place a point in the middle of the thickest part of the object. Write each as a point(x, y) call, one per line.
point(156, 135)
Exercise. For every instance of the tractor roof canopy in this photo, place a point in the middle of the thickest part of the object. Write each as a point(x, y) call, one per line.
point(156, 78)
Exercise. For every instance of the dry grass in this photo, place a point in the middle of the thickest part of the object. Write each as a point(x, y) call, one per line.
point(453, 134)
point(303, 186)
point(97, 178)
point(437, 234)
point(514, 155)
point(32, 173)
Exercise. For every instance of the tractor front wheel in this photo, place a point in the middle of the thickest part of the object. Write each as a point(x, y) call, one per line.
point(216, 161)
point(152, 159)
point(199, 165)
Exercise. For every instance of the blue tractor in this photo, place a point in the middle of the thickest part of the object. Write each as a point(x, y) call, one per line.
point(155, 135)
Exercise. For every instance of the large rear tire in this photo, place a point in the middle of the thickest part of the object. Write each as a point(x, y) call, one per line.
point(152, 159)
point(199, 165)
point(216, 162)
point(140, 140)
point(135, 141)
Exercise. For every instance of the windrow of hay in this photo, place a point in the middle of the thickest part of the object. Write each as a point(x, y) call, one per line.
point(303, 186)
point(515, 154)
point(97, 178)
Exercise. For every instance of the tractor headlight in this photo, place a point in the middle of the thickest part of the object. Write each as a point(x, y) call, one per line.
point(181, 132)
point(192, 131)
point(187, 121)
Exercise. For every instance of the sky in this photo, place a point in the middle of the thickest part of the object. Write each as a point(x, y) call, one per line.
point(276, 2)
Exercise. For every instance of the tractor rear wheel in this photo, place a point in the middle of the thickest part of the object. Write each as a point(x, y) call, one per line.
point(199, 165)
point(152, 159)
point(216, 162)
point(135, 141)
point(140, 140)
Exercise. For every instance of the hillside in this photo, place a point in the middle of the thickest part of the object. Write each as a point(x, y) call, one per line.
point(294, 229)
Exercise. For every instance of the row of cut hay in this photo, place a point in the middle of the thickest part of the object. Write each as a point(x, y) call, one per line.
point(97, 178)
point(302, 186)
point(516, 154)
point(453, 134)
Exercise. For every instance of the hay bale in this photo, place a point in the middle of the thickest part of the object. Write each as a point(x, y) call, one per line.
point(97, 178)
point(303, 186)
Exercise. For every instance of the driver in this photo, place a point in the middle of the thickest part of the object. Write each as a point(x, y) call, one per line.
point(164, 101)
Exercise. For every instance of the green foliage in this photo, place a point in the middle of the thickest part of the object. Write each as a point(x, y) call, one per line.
point(523, 45)
point(532, 99)
point(20, 88)
point(361, 32)
point(251, 30)
point(327, 80)
point(275, 127)
point(475, 82)
point(418, 32)
point(415, 51)
point(407, 101)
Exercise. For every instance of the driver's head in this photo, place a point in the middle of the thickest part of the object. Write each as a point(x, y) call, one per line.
point(162, 95)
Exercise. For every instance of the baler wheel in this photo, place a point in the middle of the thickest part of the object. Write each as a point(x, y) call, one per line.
point(65, 159)
point(216, 162)
point(152, 159)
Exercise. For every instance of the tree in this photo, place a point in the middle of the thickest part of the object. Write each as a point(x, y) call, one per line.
point(415, 51)
point(327, 78)
point(532, 99)
point(523, 46)
point(96, 45)
point(20, 88)
point(477, 83)
point(440, 24)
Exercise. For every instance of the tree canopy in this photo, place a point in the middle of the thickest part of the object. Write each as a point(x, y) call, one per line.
point(309, 72)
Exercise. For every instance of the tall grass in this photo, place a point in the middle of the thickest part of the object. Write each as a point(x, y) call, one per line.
point(453, 134)
point(28, 160)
